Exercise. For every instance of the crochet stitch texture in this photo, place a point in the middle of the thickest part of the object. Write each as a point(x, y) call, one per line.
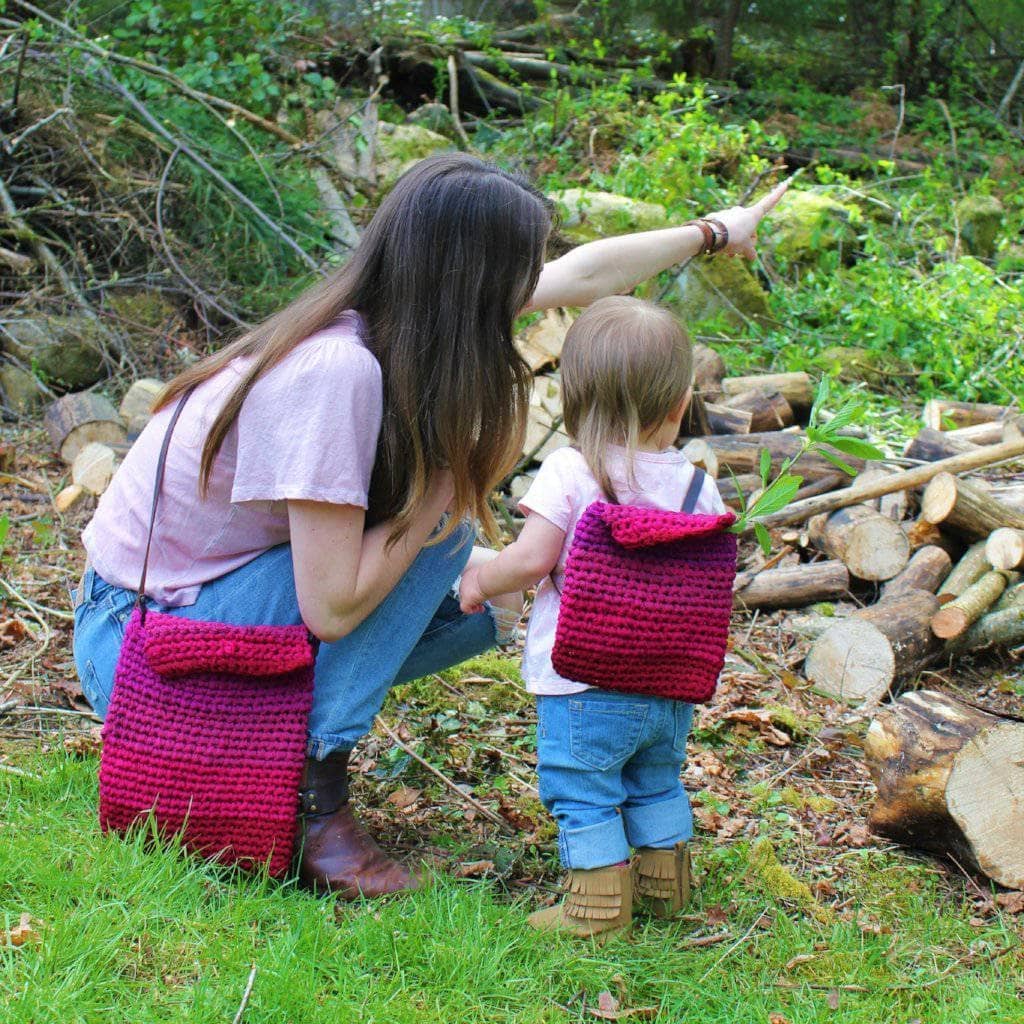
point(646, 601)
point(207, 730)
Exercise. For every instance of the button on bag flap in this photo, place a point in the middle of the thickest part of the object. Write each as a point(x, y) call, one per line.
point(177, 647)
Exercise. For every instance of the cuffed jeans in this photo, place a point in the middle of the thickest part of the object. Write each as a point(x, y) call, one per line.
point(417, 629)
point(609, 767)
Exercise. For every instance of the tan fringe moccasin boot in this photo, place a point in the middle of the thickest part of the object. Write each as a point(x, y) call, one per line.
point(596, 900)
point(661, 879)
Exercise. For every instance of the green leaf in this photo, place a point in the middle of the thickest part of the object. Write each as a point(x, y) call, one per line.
point(777, 496)
point(857, 448)
point(740, 496)
point(763, 538)
point(836, 461)
point(766, 466)
point(820, 398)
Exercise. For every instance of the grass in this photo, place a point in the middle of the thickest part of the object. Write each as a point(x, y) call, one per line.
point(135, 933)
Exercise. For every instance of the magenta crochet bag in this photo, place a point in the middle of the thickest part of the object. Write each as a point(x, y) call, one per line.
point(646, 600)
point(206, 730)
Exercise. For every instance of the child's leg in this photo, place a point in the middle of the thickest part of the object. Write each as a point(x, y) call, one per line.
point(656, 812)
point(582, 743)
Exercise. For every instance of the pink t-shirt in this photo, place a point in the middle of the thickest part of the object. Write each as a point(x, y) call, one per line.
point(307, 430)
point(561, 492)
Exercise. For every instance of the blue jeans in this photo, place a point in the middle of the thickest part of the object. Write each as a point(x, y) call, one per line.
point(609, 768)
point(417, 629)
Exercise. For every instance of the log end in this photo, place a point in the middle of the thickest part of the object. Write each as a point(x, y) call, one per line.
point(852, 662)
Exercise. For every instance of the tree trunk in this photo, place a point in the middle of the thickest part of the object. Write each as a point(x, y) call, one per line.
point(794, 586)
point(872, 546)
point(77, 420)
point(967, 508)
point(862, 656)
point(725, 29)
point(950, 780)
point(928, 567)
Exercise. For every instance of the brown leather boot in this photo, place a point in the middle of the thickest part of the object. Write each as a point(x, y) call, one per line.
point(661, 879)
point(335, 854)
point(596, 900)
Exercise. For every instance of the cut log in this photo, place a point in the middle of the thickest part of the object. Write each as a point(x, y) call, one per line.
point(93, 467)
point(966, 508)
point(1013, 597)
point(871, 546)
point(769, 410)
point(966, 572)
point(986, 455)
point(708, 371)
point(136, 407)
point(794, 586)
point(892, 506)
point(695, 419)
point(1004, 549)
point(822, 485)
point(723, 420)
point(931, 445)
point(928, 567)
point(956, 617)
point(742, 454)
point(702, 455)
point(68, 497)
point(731, 487)
point(950, 780)
point(940, 414)
point(1002, 628)
point(1009, 494)
point(861, 657)
point(796, 388)
point(541, 343)
point(79, 419)
point(981, 433)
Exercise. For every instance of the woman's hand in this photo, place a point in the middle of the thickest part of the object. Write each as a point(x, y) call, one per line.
point(742, 221)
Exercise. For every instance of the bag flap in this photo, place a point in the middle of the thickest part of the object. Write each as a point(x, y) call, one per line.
point(636, 527)
point(178, 647)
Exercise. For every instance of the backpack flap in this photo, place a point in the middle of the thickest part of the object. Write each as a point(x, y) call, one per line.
point(633, 527)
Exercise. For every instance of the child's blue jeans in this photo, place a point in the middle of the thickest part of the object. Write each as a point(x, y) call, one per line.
point(417, 629)
point(609, 767)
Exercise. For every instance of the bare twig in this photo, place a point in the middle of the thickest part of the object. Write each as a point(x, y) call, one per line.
point(453, 99)
point(472, 801)
point(21, 136)
point(901, 90)
point(245, 996)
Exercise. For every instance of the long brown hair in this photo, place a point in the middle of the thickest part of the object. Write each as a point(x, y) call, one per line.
point(452, 255)
point(626, 365)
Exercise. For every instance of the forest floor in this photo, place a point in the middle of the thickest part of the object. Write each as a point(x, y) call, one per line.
point(820, 922)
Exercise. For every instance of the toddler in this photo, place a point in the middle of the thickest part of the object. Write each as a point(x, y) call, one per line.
point(609, 762)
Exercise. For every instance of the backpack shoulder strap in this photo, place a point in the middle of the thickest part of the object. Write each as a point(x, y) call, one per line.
point(693, 491)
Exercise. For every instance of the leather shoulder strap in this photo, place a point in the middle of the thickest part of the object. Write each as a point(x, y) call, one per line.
point(161, 464)
point(693, 491)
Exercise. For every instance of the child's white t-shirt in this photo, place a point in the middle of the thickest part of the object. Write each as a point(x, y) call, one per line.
point(561, 492)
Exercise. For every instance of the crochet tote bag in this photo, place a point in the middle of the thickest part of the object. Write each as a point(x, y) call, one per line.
point(206, 729)
point(646, 599)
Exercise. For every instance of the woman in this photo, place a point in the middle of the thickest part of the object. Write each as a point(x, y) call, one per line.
point(325, 464)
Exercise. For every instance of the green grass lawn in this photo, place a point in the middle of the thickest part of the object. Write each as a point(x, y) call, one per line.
point(135, 934)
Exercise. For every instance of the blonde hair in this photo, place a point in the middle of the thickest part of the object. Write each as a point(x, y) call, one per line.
point(626, 366)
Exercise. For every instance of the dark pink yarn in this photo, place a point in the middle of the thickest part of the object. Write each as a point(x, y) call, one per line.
point(207, 729)
point(646, 601)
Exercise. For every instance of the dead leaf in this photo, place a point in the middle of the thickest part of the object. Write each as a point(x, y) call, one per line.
point(474, 869)
point(833, 999)
point(801, 958)
point(761, 719)
point(25, 932)
point(86, 744)
point(404, 797)
point(1011, 902)
point(608, 1008)
point(716, 915)
point(778, 1018)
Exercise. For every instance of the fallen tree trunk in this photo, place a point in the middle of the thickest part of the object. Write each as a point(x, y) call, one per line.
point(861, 657)
point(768, 410)
point(905, 480)
point(796, 388)
point(871, 546)
point(950, 780)
point(928, 567)
point(967, 508)
point(794, 586)
point(956, 617)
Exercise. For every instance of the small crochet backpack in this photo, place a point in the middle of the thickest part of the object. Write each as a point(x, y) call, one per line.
point(646, 599)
